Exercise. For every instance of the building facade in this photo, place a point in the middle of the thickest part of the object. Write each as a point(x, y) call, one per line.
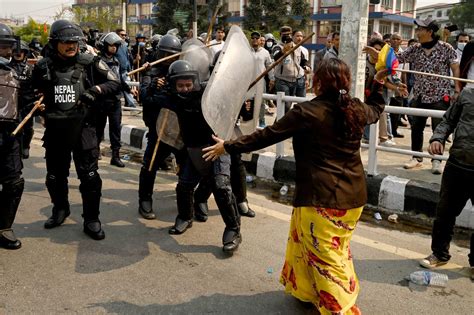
point(389, 16)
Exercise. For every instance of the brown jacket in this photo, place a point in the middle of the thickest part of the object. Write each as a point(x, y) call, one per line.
point(329, 172)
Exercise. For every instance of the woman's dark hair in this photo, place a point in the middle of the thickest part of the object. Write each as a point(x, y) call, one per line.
point(334, 76)
point(466, 59)
point(376, 41)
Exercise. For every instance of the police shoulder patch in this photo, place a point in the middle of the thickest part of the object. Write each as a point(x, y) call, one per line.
point(101, 65)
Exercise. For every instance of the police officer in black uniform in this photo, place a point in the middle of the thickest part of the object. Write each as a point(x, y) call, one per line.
point(152, 95)
point(108, 45)
point(27, 96)
point(185, 97)
point(10, 160)
point(71, 83)
point(35, 49)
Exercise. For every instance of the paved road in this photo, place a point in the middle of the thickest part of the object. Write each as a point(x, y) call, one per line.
point(140, 269)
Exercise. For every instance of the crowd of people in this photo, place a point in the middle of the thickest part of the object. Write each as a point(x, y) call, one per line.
point(82, 83)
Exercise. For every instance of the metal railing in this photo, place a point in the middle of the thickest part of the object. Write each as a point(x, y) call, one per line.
point(373, 147)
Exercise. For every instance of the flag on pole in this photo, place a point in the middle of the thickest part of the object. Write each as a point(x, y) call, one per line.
point(45, 28)
point(387, 60)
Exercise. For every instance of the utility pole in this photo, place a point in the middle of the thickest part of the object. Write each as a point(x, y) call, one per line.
point(124, 15)
point(354, 28)
point(195, 24)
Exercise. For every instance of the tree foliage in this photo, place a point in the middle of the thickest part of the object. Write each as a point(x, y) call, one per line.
point(179, 14)
point(269, 15)
point(31, 30)
point(105, 17)
point(253, 16)
point(300, 8)
point(463, 15)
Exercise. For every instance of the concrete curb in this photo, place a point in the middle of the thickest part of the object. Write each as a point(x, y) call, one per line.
point(390, 193)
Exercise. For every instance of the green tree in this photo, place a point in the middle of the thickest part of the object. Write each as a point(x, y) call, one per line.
point(463, 15)
point(300, 8)
point(31, 30)
point(104, 16)
point(179, 14)
point(253, 13)
point(276, 12)
point(165, 17)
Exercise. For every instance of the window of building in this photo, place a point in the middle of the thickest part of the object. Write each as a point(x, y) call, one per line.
point(396, 28)
point(448, 12)
point(398, 5)
point(439, 13)
point(408, 6)
point(407, 32)
point(330, 3)
point(387, 4)
point(385, 28)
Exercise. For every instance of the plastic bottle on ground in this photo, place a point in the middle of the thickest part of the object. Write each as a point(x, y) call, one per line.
point(283, 190)
point(423, 277)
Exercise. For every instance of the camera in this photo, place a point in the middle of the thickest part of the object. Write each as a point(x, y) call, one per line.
point(286, 39)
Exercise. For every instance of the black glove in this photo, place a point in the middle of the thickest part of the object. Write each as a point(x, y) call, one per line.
point(89, 97)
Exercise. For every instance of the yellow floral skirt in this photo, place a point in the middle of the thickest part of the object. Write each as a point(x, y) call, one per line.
point(318, 264)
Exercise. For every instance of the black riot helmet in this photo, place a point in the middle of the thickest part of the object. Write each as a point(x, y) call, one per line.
point(182, 78)
point(35, 44)
point(155, 39)
point(169, 44)
point(65, 31)
point(7, 38)
point(109, 39)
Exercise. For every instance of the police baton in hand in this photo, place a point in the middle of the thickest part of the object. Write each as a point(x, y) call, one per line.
point(167, 58)
point(160, 135)
point(23, 122)
point(273, 65)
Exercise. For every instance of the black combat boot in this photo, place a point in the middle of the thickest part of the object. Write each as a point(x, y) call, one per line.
point(184, 220)
point(115, 160)
point(58, 192)
point(145, 194)
point(9, 201)
point(228, 208)
point(245, 210)
point(91, 187)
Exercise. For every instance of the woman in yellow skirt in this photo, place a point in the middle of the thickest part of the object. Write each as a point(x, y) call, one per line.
point(330, 186)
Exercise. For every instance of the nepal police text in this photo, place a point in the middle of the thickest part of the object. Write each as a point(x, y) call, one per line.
point(64, 94)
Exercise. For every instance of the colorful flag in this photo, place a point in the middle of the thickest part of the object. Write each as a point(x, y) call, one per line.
point(387, 60)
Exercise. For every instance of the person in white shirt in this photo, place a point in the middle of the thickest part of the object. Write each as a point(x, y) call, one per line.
point(298, 36)
point(263, 61)
point(219, 40)
point(461, 40)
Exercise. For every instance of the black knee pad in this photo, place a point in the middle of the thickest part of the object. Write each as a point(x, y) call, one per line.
point(52, 181)
point(14, 188)
point(223, 190)
point(90, 182)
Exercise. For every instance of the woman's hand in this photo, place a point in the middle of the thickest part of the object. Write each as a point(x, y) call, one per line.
point(381, 75)
point(402, 89)
point(371, 51)
point(213, 152)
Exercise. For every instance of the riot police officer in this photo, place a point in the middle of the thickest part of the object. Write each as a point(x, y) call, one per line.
point(153, 94)
point(35, 49)
point(10, 159)
point(24, 72)
point(185, 97)
point(108, 45)
point(71, 83)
